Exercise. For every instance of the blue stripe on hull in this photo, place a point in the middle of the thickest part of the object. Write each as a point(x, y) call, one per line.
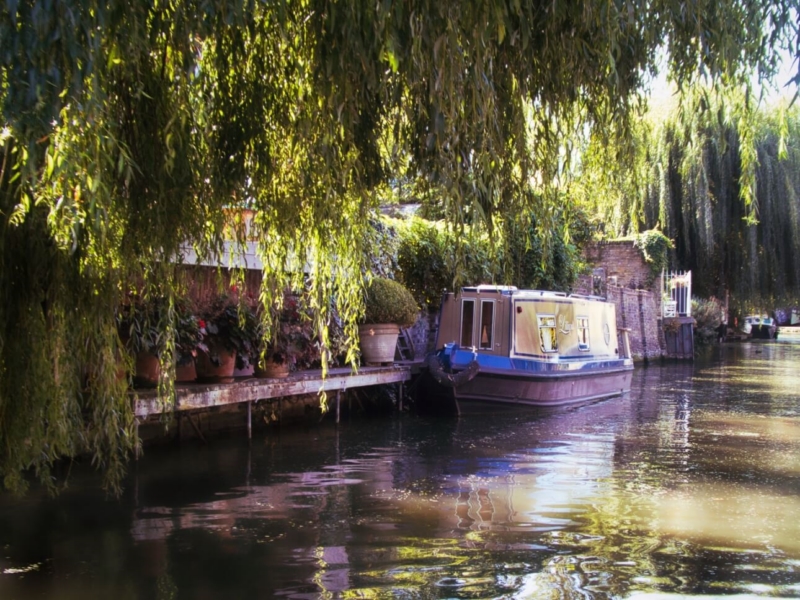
point(514, 367)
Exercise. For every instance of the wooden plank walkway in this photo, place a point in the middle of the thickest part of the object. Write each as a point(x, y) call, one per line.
point(195, 396)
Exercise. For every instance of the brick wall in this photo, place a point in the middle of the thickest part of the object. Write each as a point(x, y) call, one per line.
point(622, 262)
point(622, 275)
point(637, 311)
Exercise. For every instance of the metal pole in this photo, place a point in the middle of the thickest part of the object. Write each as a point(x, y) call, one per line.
point(400, 398)
point(138, 441)
point(338, 402)
point(249, 420)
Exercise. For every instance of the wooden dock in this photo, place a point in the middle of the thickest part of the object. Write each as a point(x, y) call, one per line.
point(196, 396)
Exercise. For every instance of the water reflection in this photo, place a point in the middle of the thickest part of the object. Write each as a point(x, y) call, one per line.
point(688, 485)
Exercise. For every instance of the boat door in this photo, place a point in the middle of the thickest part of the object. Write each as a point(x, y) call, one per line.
point(479, 323)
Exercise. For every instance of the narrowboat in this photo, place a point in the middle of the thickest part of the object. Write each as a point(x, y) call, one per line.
point(760, 327)
point(504, 346)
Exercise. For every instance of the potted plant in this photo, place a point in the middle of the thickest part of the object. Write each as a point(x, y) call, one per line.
point(225, 336)
point(291, 345)
point(143, 326)
point(142, 332)
point(188, 337)
point(388, 306)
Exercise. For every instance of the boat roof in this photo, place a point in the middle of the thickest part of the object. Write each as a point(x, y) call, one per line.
point(510, 290)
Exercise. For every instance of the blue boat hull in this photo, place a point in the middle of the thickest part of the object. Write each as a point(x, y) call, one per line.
point(507, 381)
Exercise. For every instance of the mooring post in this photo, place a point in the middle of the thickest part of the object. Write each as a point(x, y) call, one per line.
point(138, 441)
point(338, 402)
point(249, 420)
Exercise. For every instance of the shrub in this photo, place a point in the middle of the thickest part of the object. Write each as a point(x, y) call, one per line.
point(708, 316)
point(388, 301)
point(426, 257)
point(293, 340)
point(421, 256)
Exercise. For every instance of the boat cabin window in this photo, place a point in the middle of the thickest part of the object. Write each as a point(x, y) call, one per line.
point(547, 333)
point(583, 333)
point(467, 322)
point(487, 325)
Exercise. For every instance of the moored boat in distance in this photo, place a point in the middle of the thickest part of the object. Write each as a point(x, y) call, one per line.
point(505, 346)
point(760, 327)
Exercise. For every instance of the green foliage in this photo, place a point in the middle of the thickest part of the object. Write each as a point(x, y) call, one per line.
point(655, 247)
point(293, 340)
point(227, 323)
point(140, 326)
point(536, 261)
point(516, 255)
point(428, 264)
point(422, 258)
point(708, 315)
point(692, 191)
point(145, 325)
point(388, 301)
point(188, 334)
point(132, 129)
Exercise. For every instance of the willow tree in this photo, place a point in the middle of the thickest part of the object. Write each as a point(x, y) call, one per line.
point(738, 231)
point(748, 250)
point(130, 129)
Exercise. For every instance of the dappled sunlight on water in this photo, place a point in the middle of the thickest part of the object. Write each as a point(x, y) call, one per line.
point(687, 487)
point(731, 516)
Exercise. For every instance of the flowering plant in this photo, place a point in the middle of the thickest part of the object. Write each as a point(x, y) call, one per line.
point(292, 342)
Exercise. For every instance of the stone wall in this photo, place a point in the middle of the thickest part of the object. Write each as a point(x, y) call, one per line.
point(637, 311)
point(422, 334)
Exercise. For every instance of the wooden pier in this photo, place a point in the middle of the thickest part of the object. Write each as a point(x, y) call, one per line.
point(200, 396)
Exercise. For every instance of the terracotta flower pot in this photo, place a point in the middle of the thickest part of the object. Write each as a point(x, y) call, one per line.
point(272, 370)
point(147, 370)
point(378, 343)
point(218, 369)
point(185, 371)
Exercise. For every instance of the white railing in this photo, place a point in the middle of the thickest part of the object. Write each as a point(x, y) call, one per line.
point(676, 290)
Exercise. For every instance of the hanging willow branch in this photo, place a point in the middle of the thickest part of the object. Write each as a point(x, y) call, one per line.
point(133, 129)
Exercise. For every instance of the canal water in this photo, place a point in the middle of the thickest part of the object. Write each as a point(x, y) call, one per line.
point(687, 487)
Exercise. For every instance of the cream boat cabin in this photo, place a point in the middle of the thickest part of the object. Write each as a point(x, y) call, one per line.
point(499, 344)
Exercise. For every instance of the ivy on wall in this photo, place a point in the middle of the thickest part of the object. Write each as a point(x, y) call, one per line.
point(655, 247)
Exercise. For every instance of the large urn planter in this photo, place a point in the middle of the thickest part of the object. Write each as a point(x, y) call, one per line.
point(378, 342)
point(216, 366)
point(388, 305)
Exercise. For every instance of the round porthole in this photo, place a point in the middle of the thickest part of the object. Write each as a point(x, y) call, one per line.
point(606, 334)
